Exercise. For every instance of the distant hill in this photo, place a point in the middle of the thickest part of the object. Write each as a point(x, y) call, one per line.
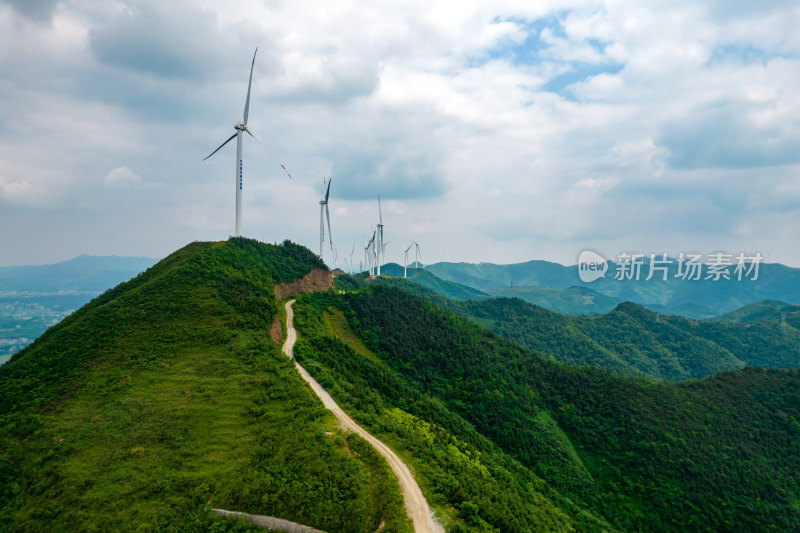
point(570, 301)
point(764, 310)
point(85, 273)
point(696, 299)
point(422, 277)
point(33, 298)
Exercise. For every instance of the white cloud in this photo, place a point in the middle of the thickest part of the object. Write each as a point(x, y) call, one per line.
point(16, 191)
point(122, 178)
point(493, 131)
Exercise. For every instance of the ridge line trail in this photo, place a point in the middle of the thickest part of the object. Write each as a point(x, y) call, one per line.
point(415, 502)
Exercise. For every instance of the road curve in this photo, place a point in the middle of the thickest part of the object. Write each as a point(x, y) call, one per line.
point(416, 504)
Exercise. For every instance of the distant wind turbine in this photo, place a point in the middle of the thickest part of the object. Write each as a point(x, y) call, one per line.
point(417, 254)
point(380, 236)
point(351, 257)
point(240, 127)
point(323, 204)
point(405, 260)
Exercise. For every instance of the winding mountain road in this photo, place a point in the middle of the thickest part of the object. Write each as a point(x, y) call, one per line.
point(416, 504)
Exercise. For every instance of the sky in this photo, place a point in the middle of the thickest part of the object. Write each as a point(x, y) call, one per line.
point(492, 131)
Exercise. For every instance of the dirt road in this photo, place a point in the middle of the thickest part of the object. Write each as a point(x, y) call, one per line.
point(416, 504)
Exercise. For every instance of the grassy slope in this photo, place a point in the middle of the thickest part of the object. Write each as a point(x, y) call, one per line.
point(166, 394)
point(719, 454)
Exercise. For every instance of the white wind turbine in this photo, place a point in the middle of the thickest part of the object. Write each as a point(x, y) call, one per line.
point(369, 252)
point(373, 254)
point(405, 260)
point(417, 254)
point(323, 205)
point(242, 127)
point(351, 257)
point(380, 236)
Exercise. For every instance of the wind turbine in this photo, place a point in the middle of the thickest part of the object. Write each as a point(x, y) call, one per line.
point(373, 255)
point(380, 236)
point(324, 204)
point(242, 127)
point(405, 260)
point(351, 257)
point(417, 254)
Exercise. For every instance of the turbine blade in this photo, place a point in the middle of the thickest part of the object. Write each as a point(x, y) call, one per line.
point(328, 216)
point(247, 102)
point(220, 146)
point(329, 191)
point(380, 215)
point(253, 135)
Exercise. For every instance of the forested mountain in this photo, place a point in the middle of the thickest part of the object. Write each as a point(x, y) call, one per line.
point(631, 340)
point(719, 454)
point(166, 396)
point(696, 298)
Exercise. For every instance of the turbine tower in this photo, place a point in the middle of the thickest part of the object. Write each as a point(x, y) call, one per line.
point(323, 206)
point(242, 127)
point(380, 236)
point(351, 257)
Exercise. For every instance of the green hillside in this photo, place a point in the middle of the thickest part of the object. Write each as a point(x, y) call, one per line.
point(721, 454)
point(764, 310)
point(570, 301)
point(166, 395)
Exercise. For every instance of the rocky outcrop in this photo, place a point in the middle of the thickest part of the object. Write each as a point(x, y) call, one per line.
point(316, 280)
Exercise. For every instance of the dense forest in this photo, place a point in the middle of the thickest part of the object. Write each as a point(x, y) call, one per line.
point(718, 454)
